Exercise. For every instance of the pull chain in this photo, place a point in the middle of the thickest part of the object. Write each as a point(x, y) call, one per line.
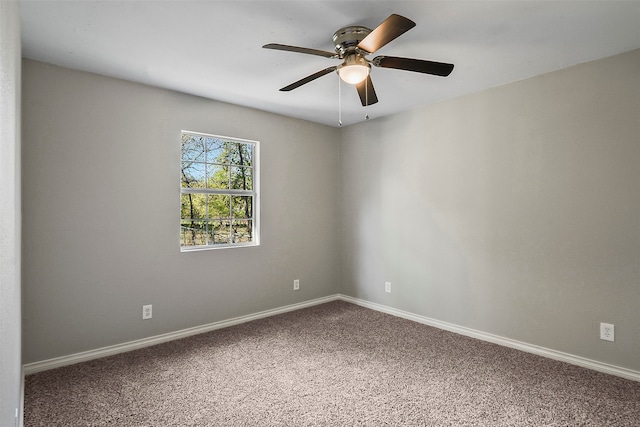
point(339, 102)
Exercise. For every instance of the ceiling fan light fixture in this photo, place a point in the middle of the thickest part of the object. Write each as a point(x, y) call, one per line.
point(354, 69)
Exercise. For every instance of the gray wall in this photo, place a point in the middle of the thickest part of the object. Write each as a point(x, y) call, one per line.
point(101, 213)
point(514, 211)
point(10, 334)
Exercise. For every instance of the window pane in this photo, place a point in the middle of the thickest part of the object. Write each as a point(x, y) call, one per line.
point(219, 231)
point(240, 154)
point(193, 233)
point(242, 231)
point(216, 151)
point(218, 176)
point(242, 206)
point(247, 154)
point(193, 147)
point(193, 175)
point(193, 206)
point(241, 178)
point(219, 206)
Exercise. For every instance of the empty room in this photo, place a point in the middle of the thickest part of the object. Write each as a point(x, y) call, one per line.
point(320, 213)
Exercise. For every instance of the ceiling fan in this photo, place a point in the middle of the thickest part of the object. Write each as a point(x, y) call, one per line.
point(353, 44)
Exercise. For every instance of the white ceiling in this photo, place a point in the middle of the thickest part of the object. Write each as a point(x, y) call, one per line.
point(213, 48)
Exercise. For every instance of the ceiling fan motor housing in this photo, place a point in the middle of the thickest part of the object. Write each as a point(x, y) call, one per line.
point(346, 39)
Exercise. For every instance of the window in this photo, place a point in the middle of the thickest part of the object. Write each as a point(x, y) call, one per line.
point(218, 192)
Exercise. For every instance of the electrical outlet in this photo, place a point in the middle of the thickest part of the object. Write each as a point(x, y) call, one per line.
point(387, 287)
point(607, 332)
point(147, 312)
point(296, 285)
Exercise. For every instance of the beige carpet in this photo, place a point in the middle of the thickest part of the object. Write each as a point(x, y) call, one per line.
point(336, 364)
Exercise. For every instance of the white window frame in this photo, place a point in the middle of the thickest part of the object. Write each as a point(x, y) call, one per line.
point(255, 193)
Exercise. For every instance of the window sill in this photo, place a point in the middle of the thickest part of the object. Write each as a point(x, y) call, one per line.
point(209, 248)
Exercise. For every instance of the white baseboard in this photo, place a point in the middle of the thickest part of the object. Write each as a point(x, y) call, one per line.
point(496, 339)
point(45, 365)
point(20, 414)
point(57, 362)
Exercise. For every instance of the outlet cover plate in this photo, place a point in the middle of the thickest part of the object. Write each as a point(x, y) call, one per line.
point(147, 312)
point(387, 287)
point(607, 332)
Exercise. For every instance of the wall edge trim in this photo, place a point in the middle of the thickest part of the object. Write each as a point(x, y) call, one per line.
point(58, 362)
point(496, 339)
point(32, 368)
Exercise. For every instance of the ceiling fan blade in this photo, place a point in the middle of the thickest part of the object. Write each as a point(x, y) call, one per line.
point(367, 92)
point(411, 64)
point(297, 49)
point(391, 28)
point(308, 79)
